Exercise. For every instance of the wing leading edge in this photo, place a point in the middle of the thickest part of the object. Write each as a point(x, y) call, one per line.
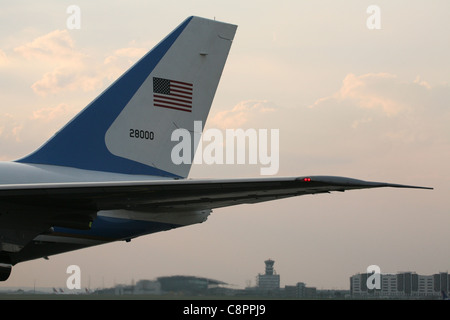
point(177, 194)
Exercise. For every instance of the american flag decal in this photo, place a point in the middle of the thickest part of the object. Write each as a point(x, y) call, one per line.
point(172, 94)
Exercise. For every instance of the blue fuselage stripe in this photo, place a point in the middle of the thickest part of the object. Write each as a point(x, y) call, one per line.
point(112, 229)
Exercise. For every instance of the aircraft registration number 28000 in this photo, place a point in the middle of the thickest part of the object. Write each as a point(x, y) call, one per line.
point(142, 134)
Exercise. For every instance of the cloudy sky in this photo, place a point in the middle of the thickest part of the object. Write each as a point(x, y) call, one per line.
point(348, 100)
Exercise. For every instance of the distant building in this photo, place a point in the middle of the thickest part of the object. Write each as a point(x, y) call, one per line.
point(305, 292)
point(187, 284)
point(169, 285)
point(300, 291)
point(147, 287)
point(269, 281)
point(141, 287)
point(402, 285)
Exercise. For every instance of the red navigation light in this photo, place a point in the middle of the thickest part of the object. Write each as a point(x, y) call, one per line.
point(307, 179)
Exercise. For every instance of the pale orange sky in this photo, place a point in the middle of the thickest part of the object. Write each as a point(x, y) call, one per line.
point(348, 101)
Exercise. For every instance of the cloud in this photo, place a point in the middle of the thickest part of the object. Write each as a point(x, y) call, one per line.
point(56, 46)
point(57, 50)
point(375, 116)
point(121, 59)
point(130, 52)
point(241, 114)
point(10, 128)
point(3, 59)
point(66, 80)
point(370, 91)
point(50, 113)
point(71, 69)
point(19, 134)
point(399, 112)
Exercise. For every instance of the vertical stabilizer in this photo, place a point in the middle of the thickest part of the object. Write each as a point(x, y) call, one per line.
point(127, 129)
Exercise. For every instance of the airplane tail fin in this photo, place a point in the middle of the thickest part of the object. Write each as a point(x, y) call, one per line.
point(127, 129)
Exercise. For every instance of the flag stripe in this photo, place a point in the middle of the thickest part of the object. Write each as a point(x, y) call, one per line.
point(170, 107)
point(182, 96)
point(173, 103)
point(182, 83)
point(173, 85)
point(172, 99)
point(180, 91)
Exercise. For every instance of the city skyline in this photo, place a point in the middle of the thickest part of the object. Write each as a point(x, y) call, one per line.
point(347, 100)
point(370, 283)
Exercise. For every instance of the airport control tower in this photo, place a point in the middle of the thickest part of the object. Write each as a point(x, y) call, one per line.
point(269, 266)
point(270, 280)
